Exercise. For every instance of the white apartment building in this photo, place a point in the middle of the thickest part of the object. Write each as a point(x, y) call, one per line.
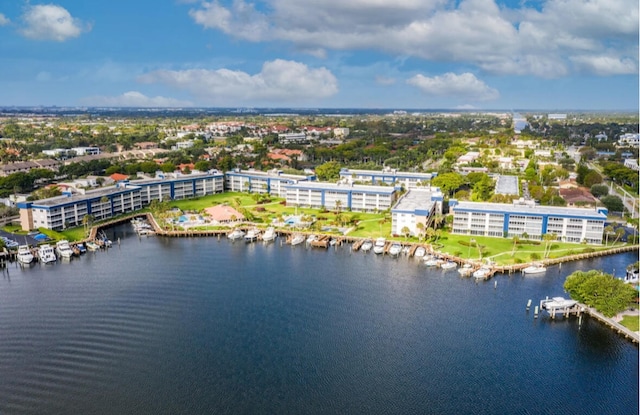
point(505, 220)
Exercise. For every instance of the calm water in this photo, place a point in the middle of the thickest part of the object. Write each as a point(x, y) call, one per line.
point(168, 326)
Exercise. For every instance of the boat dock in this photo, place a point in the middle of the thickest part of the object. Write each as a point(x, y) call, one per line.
point(558, 306)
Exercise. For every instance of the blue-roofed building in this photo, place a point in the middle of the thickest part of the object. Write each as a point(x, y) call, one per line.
point(69, 209)
point(391, 177)
point(331, 196)
point(414, 207)
point(520, 218)
point(256, 181)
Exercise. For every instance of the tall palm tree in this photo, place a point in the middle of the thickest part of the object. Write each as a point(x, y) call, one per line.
point(608, 230)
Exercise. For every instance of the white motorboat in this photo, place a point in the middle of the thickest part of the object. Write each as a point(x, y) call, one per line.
point(378, 247)
point(236, 234)
point(482, 273)
point(466, 270)
point(64, 249)
point(366, 246)
point(24, 254)
point(420, 252)
point(92, 246)
point(448, 265)
point(297, 239)
point(269, 235)
point(395, 249)
point(252, 235)
point(431, 261)
point(46, 254)
point(311, 238)
point(534, 269)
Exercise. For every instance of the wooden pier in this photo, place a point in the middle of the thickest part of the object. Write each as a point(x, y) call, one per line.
point(573, 308)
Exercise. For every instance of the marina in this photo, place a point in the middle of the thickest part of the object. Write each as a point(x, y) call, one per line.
point(297, 322)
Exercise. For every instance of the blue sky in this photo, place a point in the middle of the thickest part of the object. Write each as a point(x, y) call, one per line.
point(476, 54)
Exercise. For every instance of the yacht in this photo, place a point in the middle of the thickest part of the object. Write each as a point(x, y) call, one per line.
point(431, 261)
point(63, 249)
point(395, 249)
point(420, 252)
point(482, 273)
point(366, 246)
point(92, 246)
point(236, 234)
point(297, 239)
point(24, 254)
point(448, 265)
point(378, 247)
point(466, 270)
point(46, 254)
point(251, 235)
point(269, 235)
point(534, 269)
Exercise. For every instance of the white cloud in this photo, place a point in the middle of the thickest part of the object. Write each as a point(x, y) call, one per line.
point(465, 85)
point(51, 22)
point(494, 38)
point(606, 65)
point(4, 20)
point(135, 99)
point(279, 81)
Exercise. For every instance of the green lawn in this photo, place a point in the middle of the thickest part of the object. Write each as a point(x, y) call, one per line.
point(631, 322)
point(501, 250)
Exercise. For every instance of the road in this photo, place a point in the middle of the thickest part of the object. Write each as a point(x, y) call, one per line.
point(631, 203)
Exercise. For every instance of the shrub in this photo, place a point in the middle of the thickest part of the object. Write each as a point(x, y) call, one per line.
point(535, 256)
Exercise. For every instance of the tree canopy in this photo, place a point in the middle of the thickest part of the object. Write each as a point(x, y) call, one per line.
point(605, 293)
point(448, 182)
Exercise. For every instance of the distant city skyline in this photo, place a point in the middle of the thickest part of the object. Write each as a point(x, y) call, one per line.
point(484, 55)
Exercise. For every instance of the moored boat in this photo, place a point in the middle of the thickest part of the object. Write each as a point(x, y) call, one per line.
point(448, 265)
point(251, 235)
point(64, 249)
point(395, 249)
point(466, 270)
point(366, 246)
point(236, 234)
point(482, 273)
point(46, 254)
point(92, 246)
point(378, 247)
point(297, 239)
point(269, 235)
point(24, 254)
point(420, 252)
point(534, 269)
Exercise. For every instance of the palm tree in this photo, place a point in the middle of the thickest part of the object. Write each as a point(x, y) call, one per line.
point(516, 240)
point(430, 234)
point(420, 228)
point(438, 219)
point(338, 205)
point(608, 230)
point(405, 231)
point(548, 238)
point(619, 234)
point(87, 220)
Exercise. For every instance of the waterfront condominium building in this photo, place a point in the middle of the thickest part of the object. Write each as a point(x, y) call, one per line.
point(69, 209)
point(415, 207)
point(255, 181)
point(390, 177)
point(520, 218)
point(335, 196)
